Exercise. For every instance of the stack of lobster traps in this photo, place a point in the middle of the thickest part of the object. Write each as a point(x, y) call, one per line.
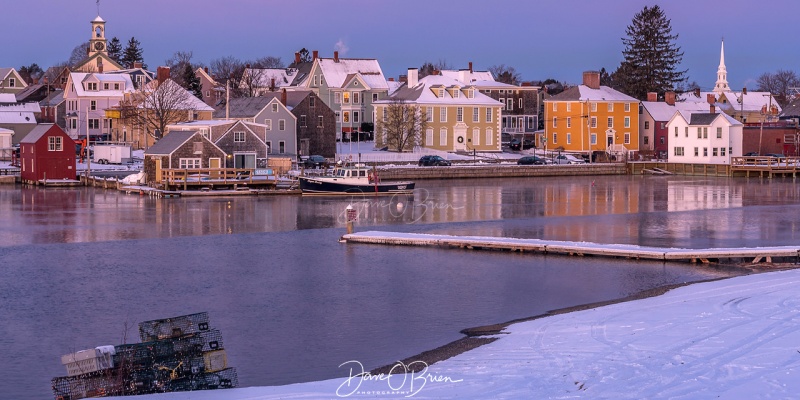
point(176, 354)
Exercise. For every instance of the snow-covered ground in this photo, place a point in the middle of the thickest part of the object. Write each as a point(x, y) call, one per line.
point(737, 338)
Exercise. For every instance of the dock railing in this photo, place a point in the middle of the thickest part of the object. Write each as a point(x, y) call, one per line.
point(210, 177)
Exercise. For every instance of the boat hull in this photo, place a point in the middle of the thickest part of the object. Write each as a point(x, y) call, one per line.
point(328, 186)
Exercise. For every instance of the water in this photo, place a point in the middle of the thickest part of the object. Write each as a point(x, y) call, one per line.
point(81, 267)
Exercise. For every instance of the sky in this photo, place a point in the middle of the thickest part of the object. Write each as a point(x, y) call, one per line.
point(731, 339)
point(541, 39)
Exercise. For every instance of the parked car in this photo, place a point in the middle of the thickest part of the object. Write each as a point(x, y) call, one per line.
point(776, 155)
point(433, 160)
point(505, 138)
point(568, 159)
point(315, 161)
point(531, 160)
point(751, 154)
point(517, 144)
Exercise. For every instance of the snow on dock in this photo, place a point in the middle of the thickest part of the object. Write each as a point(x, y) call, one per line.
point(572, 248)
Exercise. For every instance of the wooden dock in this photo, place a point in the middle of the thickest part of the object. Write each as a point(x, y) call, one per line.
point(756, 254)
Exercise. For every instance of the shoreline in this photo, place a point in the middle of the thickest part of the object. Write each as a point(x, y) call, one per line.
point(474, 336)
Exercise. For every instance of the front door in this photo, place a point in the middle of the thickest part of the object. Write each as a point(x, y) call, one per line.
point(158, 170)
point(244, 160)
point(460, 133)
point(214, 165)
point(304, 146)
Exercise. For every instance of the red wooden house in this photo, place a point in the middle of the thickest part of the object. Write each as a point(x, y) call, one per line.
point(47, 152)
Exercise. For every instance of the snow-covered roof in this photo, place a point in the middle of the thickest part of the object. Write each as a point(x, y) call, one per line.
point(24, 107)
point(189, 101)
point(4, 131)
point(204, 123)
point(661, 111)
point(17, 117)
point(336, 72)
point(37, 132)
point(8, 98)
point(466, 77)
point(584, 93)
point(264, 76)
point(422, 93)
point(98, 19)
point(393, 86)
point(78, 79)
point(705, 118)
point(752, 101)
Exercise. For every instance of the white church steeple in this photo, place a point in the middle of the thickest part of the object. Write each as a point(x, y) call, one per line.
point(722, 73)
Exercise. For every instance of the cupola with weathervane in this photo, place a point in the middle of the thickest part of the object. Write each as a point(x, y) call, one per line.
point(97, 43)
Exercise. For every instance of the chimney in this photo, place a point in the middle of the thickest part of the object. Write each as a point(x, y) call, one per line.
point(137, 64)
point(591, 79)
point(652, 96)
point(710, 98)
point(669, 97)
point(402, 78)
point(335, 56)
point(744, 90)
point(247, 66)
point(205, 69)
point(297, 58)
point(526, 84)
point(435, 72)
point(316, 54)
point(391, 79)
point(697, 92)
point(283, 96)
point(462, 76)
point(711, 109)
point(470, 67)
point(413, 77)
point(162, 74)
point(272, 85)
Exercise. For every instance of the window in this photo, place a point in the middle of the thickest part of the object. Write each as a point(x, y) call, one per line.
point(627, 121)
point(714, 152)
point(594, 107)
point(569, 138)
point(338, 117)
point(429, 137)
point(627, 107)
point(696, 151)
point(346, 117)
point(12, 82)
point(443, 114)
point(456, 93)
point(679, 151)
point(719, 133)
point(475, 114)
point(93, 105)
point(510, 104)
point(73, 124)
point(337, 97)
point(204, 132)
point(303, 121)
point(520, 103)
point(316, 80)
point(281, 147)
point(686, 131)
point(187, 163)
point(238, 137)
point(593, 139)
point(443, 136)
point(663, 125)
point(441, 93)
point(476, 137)
point(460, 114)
point(356, 98)
point(429, 114)
point(555, 138)
point(105, 86)
point(646, 139)
point(676, 131)
point(268, 124)
point(555, 122)
point(489, 137)
point(627, 138)
point(569, 107)
point(269, 146)
point(274, 107)
point(470, 94)
point(346, 97)
point(661, 139)
point(594, 122)
point(722, 151)
point(569, 122)
point(281, 124)
point(355, 117)
point(374, 97)
point(94, 123)
point(705, 151)
point(530, 123)
point(610, 107)
point(91, 86)
point(502, 103)
point(385, 114)
point(699, 132)
point(312, 101)
point(320, 121)
point(116, 86)
point(705, 133)
point(488, 114)
point(610, 122)
point(54, 143)
point(554, 107)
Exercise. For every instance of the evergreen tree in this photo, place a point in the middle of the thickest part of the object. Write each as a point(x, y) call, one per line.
point(132, 54)
point(651, 56)
point(304, 55)
point(115, 50)
point(191, 81)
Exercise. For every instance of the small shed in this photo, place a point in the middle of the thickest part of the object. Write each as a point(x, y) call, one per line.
point(181, 150)
point(6, 149)
point(47, 152)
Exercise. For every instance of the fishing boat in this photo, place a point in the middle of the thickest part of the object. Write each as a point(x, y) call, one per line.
point(351, 180)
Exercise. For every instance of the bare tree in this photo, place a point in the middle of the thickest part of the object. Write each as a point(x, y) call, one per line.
point(268, 62)
point(177, 64)
point(505, 74)
point(228, 68)
point(430, 68)
point(251, 81)
point(155, 106)
point(402, 125)
point(79, 53)
point(779, 84)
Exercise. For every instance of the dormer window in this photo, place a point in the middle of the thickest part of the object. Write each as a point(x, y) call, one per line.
point(116, 86)
point(455, 93)
point(105, 86)
point(441, 93)
point(91, 86)
point(470, 94)
point(12, 82)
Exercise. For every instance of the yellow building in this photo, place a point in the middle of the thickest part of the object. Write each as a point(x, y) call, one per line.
point(457, 116)
point(590, 118)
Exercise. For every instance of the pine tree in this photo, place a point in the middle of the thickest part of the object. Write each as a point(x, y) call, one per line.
point(132, 53)
point(192, 82)
point(651, 55)
point(115, 50)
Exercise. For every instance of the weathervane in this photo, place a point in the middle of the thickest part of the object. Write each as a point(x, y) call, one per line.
point(98, 8)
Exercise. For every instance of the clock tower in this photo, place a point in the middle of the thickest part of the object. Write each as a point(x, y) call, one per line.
point(97, 43)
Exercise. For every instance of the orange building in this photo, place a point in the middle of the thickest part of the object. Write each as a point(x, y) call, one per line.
point(590, 118)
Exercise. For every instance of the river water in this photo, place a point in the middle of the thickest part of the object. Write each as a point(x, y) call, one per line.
point(81, 267)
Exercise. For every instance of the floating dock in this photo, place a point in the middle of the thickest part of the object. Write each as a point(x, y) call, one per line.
point(756, 254)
